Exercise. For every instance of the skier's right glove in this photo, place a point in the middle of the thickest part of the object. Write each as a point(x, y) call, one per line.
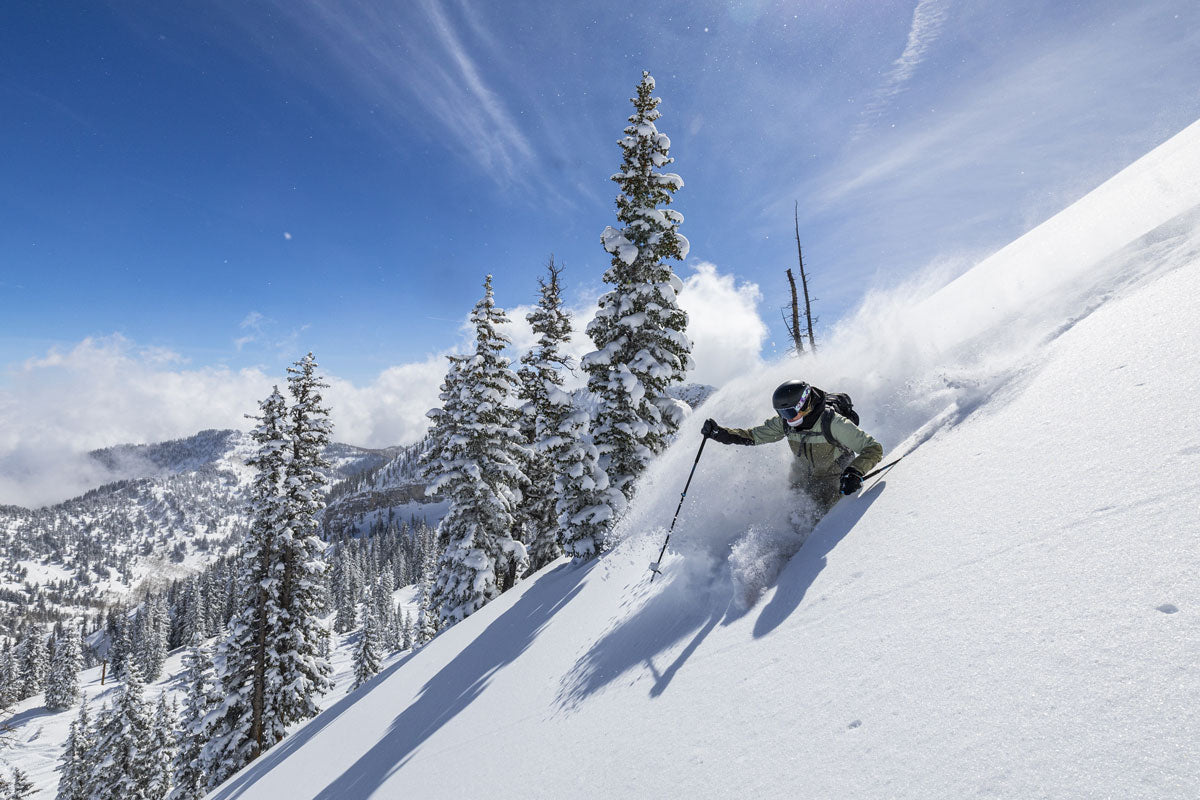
point(722, 435)
point(851, 481)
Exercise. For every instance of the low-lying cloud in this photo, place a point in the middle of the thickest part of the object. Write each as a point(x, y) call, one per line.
point(104, 391)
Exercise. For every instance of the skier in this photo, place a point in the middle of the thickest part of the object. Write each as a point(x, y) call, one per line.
point(826, 463)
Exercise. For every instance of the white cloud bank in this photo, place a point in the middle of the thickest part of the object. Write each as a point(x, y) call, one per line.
point(108, 391)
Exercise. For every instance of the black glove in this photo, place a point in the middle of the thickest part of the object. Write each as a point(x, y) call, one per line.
point(851, 480)
point(722, 435)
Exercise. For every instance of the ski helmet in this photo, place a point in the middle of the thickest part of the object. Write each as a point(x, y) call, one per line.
point(791, 398)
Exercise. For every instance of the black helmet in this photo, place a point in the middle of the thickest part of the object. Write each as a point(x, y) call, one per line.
point(791, 398)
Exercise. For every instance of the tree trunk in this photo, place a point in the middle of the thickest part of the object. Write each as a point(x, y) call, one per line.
point(812, 342)
point(794, 328)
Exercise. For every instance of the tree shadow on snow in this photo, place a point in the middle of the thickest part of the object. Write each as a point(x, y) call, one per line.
point(446, 694)
point(259, 768)
point(800, 573)
point(460, 682)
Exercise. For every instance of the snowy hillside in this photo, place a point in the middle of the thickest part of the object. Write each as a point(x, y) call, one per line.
point(176, 507)
point(1010, 612)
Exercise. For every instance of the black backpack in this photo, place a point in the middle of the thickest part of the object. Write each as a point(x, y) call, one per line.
point(842, 404)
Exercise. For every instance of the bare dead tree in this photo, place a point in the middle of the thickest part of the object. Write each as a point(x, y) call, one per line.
point(812, 342)
point(794, 327)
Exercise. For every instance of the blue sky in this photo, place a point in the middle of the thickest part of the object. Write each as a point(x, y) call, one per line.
point(213, 188)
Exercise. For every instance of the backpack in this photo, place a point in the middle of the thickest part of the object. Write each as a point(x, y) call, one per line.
point(842, 404)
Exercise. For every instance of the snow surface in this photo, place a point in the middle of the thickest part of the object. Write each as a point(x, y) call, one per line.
point(1010, 612)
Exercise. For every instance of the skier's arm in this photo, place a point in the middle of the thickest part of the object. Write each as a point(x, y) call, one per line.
point(772, 430)
point(856, 440)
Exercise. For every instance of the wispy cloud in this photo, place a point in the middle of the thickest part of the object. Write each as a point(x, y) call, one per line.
point(928, 19)
point(413, 64)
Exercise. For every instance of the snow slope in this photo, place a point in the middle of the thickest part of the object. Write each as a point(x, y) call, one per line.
point(1011, 612)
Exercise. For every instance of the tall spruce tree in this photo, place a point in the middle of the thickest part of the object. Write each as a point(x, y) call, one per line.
point(585, 503)
point(304, 673)
point(541, 375)
point(62, 684)
point(190, 779)
point(639, 329)
point(124, 764)
point(76, 766)
point(247, 660)
point(270, 666)
point(367, 651)
point(480, 474)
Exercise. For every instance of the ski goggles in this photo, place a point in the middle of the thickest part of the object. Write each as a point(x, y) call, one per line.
point(791, 412)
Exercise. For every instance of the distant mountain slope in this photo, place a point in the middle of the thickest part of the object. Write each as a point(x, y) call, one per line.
point(1009, 613)
point(181, 504)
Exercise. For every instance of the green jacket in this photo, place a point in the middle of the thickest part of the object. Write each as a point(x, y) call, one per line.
point(811, 444)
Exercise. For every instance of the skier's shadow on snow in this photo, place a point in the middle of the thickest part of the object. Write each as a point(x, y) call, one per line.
point(800, 573)
point(694, 604)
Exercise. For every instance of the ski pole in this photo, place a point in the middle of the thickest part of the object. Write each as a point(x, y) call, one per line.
point(889, 465)
point(654, 567)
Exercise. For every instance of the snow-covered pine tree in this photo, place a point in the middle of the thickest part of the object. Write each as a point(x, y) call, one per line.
point(247, 660)
point(585, 503)
point(304, 674)
point(155, 627)
point(162, 748)
point(385, 612)
point(194, 725)
point(124, 764)
point(34, 663)
point(120, 645)
point(367, 650)
point(22, 787)
point(541, 374)
point(407, 640)
point(480, 475)
point(639, 329)
point(346, 615)
point(62, 684)
point(75, 772)
point(10, 677)
point(194, 622)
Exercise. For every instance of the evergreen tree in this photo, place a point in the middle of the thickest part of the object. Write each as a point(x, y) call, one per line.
point(271, 666)
point(194, 726)
point(33, 663)
point(541, 376)
point(427, 618)
point(245, 724)
point(119, 645)
point(162, 748)
point(367, 650)
point(585, 503)
point(10, 677)
point(155, 627)
point(639, 329)
point(76, 764)
point(62, 684)
point(407, 640)
point(22, 787)
point(480, 475)
point(385, 612)
point(124, 764)
point(304, 674)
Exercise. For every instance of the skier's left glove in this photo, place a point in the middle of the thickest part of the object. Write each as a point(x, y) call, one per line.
point(851, 480)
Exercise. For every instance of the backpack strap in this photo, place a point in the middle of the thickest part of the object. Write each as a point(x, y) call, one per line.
point(826, 422)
